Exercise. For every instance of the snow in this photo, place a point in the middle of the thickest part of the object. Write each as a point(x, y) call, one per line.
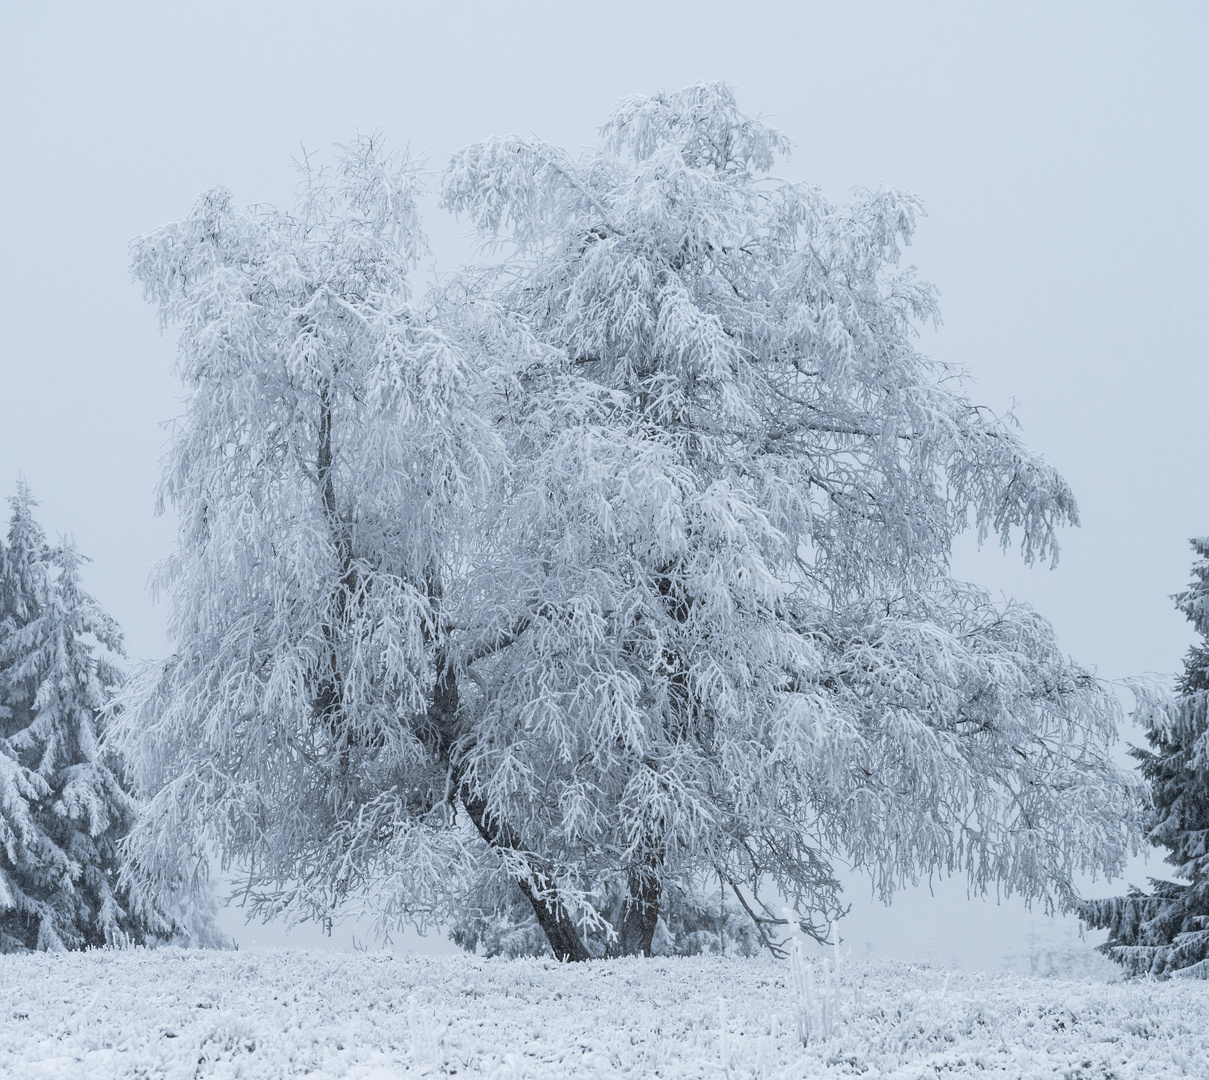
point(174, 1013)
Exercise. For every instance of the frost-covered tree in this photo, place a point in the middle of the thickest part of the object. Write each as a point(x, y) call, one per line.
point(63, 807)
point(615, 568)
point(326, 476)
point(720, 562)
point(1166, 929)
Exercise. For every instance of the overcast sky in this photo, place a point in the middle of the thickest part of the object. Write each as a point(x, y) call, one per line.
point(1060, 149)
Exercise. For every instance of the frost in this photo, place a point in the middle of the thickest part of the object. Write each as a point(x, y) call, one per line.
point(616, 568)
point(169, 1014)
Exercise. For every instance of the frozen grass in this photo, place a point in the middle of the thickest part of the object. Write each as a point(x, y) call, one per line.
point(290, 1013)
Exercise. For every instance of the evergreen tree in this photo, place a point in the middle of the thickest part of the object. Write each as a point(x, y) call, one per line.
point(23, 589)
point(1167, 930)
point(63, 807)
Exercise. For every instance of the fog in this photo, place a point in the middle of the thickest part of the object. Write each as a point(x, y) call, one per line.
point(1060, 150)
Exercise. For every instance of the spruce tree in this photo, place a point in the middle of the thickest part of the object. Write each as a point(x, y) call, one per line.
point(22, 589)
point(1167, 930)
point(63, 806)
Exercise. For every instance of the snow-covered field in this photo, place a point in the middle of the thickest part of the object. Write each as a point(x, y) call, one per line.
point(290, 1013)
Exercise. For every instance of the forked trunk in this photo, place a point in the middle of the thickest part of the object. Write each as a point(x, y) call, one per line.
point(640, 914)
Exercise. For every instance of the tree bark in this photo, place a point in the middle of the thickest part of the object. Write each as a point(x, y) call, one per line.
point(329, 695)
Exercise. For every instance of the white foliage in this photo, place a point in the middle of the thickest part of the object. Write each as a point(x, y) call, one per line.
point(635, 547)
point(724, 542)
point(320, 472)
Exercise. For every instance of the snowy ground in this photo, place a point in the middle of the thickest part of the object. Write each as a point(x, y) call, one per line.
point(288, 1013)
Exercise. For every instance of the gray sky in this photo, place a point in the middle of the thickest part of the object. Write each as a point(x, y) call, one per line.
point(1061, 150)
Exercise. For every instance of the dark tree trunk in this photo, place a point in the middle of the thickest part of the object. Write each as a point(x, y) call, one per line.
point(329, 693)
point(641, 913)
point(556, 924)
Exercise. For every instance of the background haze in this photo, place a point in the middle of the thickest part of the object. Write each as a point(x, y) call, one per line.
point(1060, 150)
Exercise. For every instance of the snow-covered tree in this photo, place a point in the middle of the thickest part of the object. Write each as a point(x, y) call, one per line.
point(1166, 929)
point(325, 472)
point(615, 568)
point(63, 808)
point(721, 556)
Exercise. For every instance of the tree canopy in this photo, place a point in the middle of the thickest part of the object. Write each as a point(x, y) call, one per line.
point(615, 563)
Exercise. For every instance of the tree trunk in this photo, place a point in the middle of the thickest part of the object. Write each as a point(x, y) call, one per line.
point(556, 924)
point(329, 693)
point(641, 913)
